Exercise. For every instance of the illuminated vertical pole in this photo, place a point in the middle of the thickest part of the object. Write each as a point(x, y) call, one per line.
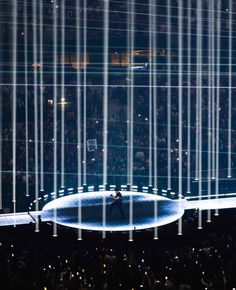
point(26, 97)
point(35, 57)
point(85, 94)
point(154, 46)
point(14, 68)
point(105, 102)
point(230, 90)
point(1, 119)
point(41, 98)
point(189, 100)
point(180, 97)
point(199, 103)
point(62, 101)
point(132, 10)
point(209, 105)
point(0, 148)
point(150, 88)
point(213, 91)
point(55, 110)
point(78, 91)
point(169, 94)
point(218, 98)
point(128, 87)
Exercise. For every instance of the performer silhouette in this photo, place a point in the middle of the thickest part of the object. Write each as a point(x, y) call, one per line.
point(118, 203)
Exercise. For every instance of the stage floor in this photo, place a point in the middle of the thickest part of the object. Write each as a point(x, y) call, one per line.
point(91, 211)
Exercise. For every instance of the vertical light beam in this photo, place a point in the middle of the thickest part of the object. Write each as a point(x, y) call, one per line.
point(78, 92)
point(41, 98)
point(199, 102)
point(230, 91)
point(213, 73)
point(154, 81)
point(169, 94)
point(85, 94)
point(63, 100)
point(26, 96)
point(14, 80)
point(35, 57)
point(197, 90)
point(150, 73)
point(1, 119)
point(55, 109)
point(132, 11)
point(218, 99)
point(189, 99)
point(105, 102)
point(180, 97)
point(209, 106)
point(128, 87)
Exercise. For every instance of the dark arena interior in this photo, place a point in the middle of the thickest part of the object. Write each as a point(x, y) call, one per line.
point(117, 145)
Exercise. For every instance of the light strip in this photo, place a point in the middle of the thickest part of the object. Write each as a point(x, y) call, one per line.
point(105, 102)
point(211, 196)
point(122, 30)
point(128, 92)
point(132, 9)
point(1, 119)
point(169, 51)
point(62, 93)
point(14, 68)
point(35, 57)
point(85, 94)
point(218, 99)
point(199, 101)
point(154, 36)
point(55, 110)
point(213, 88)
point(41, 99)
point(26, 98)
point(209, 109)
point(78, 91)
point(189, 99)
point(155, 154)
point(230, 91)
point(180, 105)
point(119, 86)
point(150, 73)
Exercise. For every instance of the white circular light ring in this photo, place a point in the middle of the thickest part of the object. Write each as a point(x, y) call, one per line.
point(66, 208)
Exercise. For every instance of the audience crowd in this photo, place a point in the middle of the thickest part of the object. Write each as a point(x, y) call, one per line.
point(199, 260)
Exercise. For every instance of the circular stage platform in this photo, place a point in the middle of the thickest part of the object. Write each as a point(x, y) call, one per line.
point(149, 211)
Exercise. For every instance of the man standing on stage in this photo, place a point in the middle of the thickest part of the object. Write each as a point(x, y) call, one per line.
point(118, 203)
